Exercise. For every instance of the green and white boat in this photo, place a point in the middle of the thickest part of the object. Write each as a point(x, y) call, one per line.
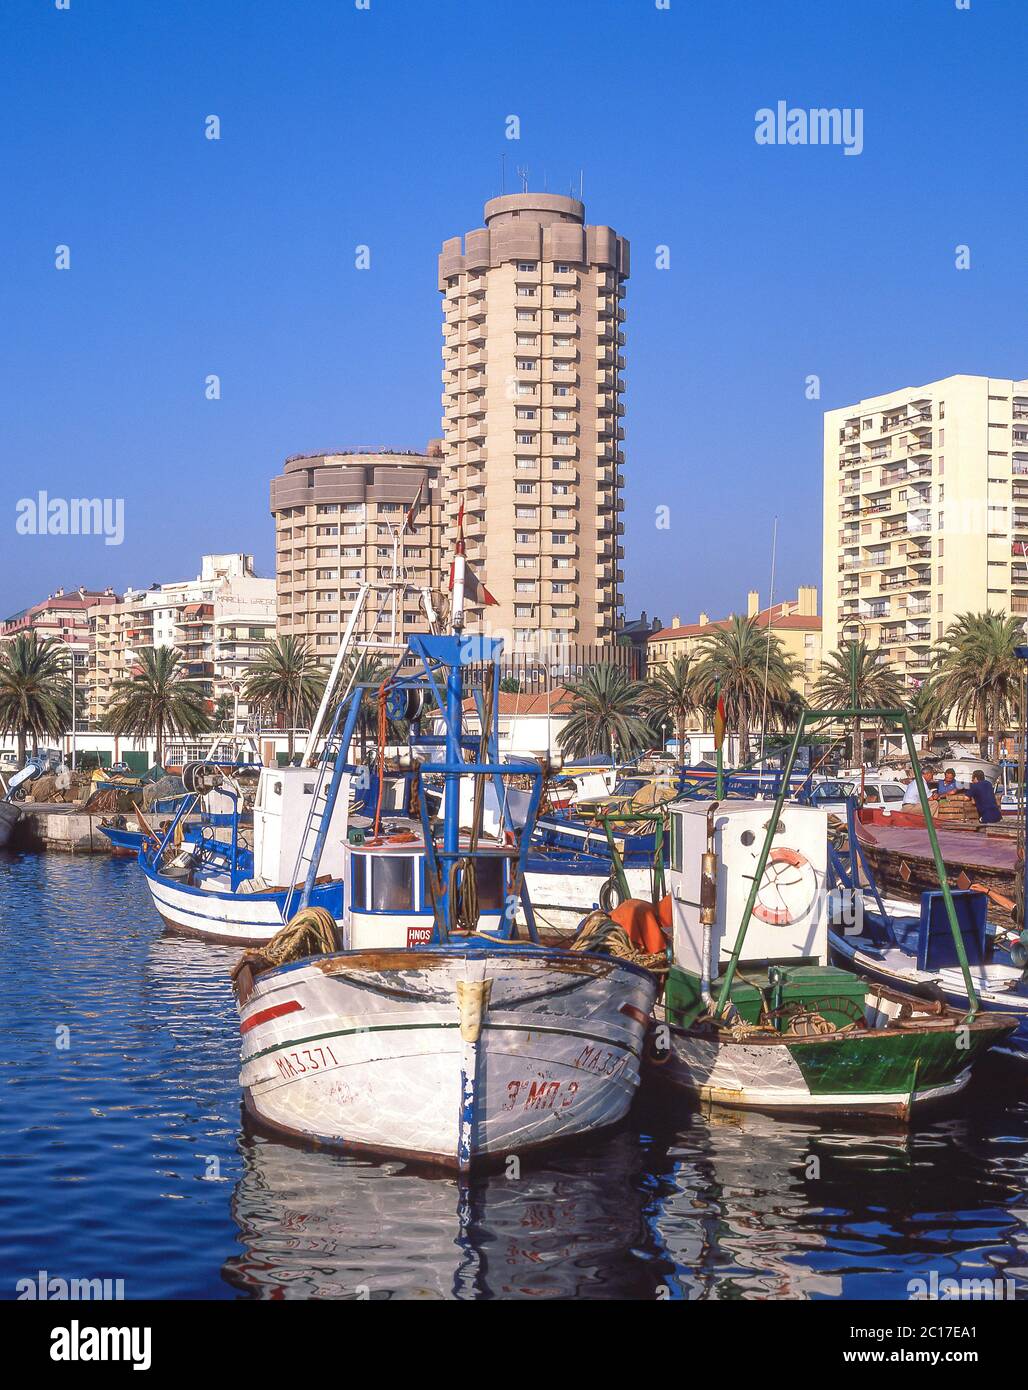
point(753, 1015)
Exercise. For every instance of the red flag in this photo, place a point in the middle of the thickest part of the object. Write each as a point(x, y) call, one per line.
point(474, 590)
point(414, 507)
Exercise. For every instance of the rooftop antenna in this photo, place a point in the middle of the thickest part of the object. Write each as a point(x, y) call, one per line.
point(523, 176)
point(503, 173)
point(581, 185)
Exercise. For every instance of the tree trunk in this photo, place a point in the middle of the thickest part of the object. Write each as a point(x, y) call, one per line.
point(22, 747)
point(289, 721)
point(744, 743)
point(858, 744)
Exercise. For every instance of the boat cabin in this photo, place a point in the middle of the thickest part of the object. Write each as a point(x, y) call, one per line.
point(285, 796)
point(387, 901)
point(789, 922)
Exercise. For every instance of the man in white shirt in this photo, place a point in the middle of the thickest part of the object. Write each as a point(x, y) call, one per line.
point(910, 796)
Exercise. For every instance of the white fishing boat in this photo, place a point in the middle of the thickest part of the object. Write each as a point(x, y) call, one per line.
point(563, 893)
point(446, 1055)
point(434, 1032)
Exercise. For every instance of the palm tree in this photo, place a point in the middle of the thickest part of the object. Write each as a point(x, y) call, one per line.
point(363, 669)
point(733, 660)
point(927, 710)
point(158, 699)
point(608, 715)
point(671, 698)
point(877, 685)
point(35, 694)
point(977, 675)
point(286, 679)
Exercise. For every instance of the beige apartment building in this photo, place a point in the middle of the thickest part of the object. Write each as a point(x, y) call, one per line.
point(338, 518)
point(218, 622)
point(925, 513)
point(795, 622)
point(532, 415)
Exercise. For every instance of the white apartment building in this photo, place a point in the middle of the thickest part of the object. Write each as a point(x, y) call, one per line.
point(925, 513)
point(217, 621)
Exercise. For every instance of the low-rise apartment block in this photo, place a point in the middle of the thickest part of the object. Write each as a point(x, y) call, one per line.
point(217, 621)
point(794, 622)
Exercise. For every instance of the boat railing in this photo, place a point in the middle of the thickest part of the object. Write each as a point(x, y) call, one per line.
point(659, 818)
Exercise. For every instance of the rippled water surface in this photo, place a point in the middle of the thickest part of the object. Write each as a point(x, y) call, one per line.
point(123, 1155)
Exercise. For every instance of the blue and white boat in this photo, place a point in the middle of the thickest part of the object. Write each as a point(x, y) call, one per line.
point(909, 945)
point(441, 1029)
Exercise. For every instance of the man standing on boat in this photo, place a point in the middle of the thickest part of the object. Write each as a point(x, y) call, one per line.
point(981, 793)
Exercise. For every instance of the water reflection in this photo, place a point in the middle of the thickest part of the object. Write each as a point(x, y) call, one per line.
point(123, 1155)
point(576, 1225)
point(766, 1208)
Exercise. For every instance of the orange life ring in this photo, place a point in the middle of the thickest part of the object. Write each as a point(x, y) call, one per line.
point(780, 916)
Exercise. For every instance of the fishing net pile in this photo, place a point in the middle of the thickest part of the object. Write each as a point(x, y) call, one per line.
point(309, 932)
point(604, 936)
point(162, 790)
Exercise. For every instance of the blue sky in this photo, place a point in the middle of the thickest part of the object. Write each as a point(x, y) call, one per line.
point(386, 127)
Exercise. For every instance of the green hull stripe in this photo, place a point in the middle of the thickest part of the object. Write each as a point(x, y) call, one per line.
point(411, 1027)
point(889, 1064)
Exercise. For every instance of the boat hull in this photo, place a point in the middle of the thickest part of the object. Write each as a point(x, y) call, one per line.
point(9, 817)
point(875, 1071)
point(448, 1056)
point(900, 858)
point(124, 843)
point(848, 955)
point(560, 899)
point(228, 919)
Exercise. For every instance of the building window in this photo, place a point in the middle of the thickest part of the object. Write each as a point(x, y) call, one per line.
point(527, 266)
point(524, 413)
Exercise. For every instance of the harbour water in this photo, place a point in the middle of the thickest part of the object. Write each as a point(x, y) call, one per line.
point(123, 1156)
